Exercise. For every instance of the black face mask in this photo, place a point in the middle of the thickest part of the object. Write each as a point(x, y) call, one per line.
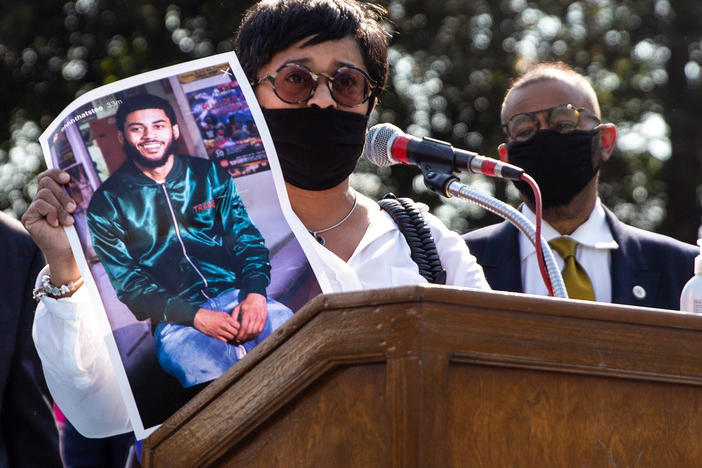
point(317, 148)
point(561, 163)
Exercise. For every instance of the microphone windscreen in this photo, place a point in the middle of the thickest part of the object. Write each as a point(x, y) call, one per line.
point(378, 147)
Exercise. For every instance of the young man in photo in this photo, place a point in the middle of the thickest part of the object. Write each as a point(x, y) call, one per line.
point(180, 249)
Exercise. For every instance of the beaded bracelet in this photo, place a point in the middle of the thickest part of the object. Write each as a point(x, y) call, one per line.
point(57, 292)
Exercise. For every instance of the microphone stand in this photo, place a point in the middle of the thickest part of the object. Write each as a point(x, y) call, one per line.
point(448, 185)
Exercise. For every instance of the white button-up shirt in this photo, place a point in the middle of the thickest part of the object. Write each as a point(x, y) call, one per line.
point(382, 259)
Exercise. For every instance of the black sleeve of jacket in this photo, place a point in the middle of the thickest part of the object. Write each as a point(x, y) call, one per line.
point(29, 436)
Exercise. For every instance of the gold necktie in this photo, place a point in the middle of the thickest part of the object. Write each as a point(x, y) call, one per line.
point(576, 280)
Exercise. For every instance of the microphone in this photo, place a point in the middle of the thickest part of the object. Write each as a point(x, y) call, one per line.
point(387, 145)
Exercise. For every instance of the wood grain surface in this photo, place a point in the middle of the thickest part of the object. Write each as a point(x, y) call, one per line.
point(427, 376)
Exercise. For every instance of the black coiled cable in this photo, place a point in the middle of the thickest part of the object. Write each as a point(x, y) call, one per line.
point(418, 235)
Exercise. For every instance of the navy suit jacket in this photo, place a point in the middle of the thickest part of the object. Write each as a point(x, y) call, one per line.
point(28, 435)
point(659, 264)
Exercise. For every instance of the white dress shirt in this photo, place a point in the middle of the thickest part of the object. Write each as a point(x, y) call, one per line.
point(382, 258)
point(71, 342)
point(595, 243)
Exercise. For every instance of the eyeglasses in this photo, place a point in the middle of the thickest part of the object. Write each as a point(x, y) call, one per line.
point(295, 84)
point(563, 119)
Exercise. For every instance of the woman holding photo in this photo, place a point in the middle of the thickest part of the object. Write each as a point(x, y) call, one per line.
point(316, 68)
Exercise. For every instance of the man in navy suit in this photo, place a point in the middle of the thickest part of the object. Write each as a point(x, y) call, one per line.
point(551, 117)
point(28, 435)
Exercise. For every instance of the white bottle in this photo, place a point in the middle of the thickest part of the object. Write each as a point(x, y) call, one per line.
point(691, 297)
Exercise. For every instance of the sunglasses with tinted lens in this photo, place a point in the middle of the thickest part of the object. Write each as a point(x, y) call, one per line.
point(563, 119)
point(295, 84)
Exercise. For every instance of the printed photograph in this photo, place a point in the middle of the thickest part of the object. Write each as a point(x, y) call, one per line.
point(180, 227)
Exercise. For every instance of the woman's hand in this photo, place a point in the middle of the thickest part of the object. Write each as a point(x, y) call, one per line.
point(47, 215)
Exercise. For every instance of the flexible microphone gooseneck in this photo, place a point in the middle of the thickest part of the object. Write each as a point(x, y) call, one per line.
point(387, 145)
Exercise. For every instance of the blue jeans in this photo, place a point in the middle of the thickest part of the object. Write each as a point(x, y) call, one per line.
point(193, 357)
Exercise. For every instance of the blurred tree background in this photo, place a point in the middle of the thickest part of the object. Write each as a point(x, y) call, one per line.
point(451, 62)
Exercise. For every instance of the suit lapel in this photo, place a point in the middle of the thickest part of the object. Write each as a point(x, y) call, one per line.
point(501, 259)
point(632, 281)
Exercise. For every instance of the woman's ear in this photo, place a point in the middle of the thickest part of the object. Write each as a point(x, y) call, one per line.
point(372, 102)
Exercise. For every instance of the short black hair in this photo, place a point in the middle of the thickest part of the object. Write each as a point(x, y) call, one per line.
point(143, 101)
point(270, 26)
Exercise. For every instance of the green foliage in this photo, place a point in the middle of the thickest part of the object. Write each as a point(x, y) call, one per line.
point(451, 62)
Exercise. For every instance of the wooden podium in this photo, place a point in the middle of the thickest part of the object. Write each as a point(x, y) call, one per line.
point(430, 376)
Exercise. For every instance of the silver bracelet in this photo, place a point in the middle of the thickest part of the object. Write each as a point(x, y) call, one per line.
point(57, 292)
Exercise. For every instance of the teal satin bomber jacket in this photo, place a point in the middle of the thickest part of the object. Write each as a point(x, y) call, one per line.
point(169, 246)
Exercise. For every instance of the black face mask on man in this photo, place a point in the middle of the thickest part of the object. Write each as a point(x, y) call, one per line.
point(317, 148)
point(561, 163)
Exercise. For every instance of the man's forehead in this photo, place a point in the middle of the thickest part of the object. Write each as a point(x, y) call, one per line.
point(151, 115)
point(544, 94)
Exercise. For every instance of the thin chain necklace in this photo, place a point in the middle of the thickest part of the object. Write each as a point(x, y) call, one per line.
point(317, 233)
